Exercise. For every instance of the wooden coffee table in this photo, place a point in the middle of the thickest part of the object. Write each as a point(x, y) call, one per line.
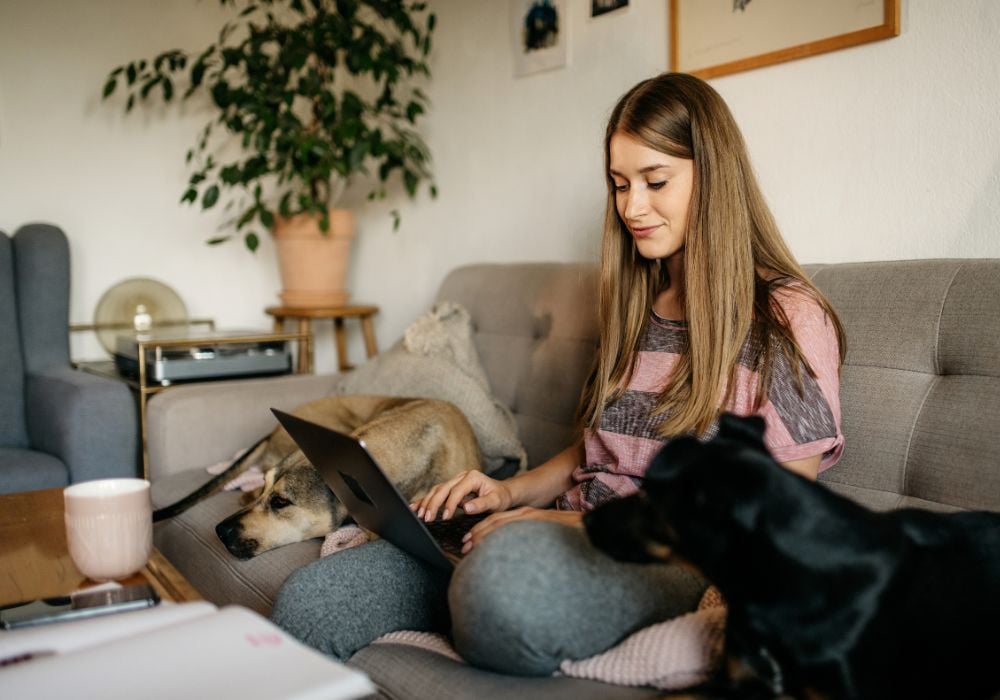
point(35, 562)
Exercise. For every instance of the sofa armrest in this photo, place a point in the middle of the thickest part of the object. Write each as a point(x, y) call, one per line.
point(195, 425)
point(87, 421)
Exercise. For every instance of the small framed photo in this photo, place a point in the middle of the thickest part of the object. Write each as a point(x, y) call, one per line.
point(600, 7)
point(539, 30)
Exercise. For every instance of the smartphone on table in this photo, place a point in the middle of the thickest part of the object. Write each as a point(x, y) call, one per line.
point(77, 606)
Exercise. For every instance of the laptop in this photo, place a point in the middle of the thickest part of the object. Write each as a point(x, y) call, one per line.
point(371, 498)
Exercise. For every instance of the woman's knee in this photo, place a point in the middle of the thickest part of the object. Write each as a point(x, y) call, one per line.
point(342, 602)
point(506, 599)
point(534, 594)
point(309, 609)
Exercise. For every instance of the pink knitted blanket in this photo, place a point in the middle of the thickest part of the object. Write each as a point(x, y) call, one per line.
point(671, 655)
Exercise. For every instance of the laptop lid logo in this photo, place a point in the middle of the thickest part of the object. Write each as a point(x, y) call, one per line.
point(355, 488)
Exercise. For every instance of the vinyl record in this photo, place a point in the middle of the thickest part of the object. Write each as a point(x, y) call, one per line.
point(122, 309)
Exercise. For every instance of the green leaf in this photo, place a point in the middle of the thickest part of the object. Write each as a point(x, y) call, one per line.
point(109, 87)
point(220, 93)
point(395, 219)
point(252, 241)
point(210, 197)
point(217, 241)
point(144, 93)
point(168, 89)
point(197, 74)
point(284, 206)
point(246, 217)
point(131, 73)
point(411, 181)
point(267, 219)
point(130, 103)
point(413, 110)
point(357, 155)
point(190, 196)
point(434, 191)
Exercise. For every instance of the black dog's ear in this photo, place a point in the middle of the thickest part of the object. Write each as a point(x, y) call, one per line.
point(749, 430)
point(674, 454)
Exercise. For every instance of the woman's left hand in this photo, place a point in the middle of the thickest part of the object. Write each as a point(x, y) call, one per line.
point(473, 537)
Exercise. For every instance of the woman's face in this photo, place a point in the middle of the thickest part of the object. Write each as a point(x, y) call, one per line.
point(652, 194)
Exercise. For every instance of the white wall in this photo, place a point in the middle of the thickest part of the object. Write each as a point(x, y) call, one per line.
point(885, 151)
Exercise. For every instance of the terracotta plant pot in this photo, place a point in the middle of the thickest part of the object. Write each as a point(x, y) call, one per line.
point(313, 265)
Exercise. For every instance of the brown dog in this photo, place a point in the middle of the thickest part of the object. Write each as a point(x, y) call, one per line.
point(418, 442)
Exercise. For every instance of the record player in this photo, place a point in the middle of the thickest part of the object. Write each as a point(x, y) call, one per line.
point(184, 354)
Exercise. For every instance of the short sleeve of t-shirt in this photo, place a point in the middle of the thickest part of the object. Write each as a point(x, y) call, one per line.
point(804, 423)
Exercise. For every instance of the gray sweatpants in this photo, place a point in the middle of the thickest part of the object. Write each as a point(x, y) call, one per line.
point(531, 595)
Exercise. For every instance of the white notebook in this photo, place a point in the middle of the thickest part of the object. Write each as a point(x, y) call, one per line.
point(193, 652)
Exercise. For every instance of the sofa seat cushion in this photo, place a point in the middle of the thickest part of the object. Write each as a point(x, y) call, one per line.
point(402, 671)
point(28, 470)
point(190, 543)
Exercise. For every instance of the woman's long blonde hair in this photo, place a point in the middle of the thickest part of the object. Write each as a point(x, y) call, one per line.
point(734, 256)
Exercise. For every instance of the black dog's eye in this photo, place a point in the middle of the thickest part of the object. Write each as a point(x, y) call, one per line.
point(277, 502)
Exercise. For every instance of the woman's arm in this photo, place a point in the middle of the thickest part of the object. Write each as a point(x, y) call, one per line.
point(808, 467)
point(543, 484)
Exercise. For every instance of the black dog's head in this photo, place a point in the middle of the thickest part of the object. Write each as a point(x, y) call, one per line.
point(701, 501)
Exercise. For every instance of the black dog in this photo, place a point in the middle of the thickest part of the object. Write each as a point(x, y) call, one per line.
point(827, 599)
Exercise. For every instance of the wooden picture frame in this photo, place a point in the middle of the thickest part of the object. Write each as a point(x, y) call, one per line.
point(709, 38)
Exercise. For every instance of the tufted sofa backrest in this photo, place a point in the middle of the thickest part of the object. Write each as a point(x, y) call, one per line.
point(536, 333)
point(920, 390)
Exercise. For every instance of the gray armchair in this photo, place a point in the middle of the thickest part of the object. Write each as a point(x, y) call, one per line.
point(57, 425)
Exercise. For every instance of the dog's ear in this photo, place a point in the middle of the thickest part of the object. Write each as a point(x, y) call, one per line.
point(748, 430)
point(674, 454)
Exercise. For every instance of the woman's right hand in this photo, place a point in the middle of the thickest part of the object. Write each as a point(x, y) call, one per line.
point(491, 495)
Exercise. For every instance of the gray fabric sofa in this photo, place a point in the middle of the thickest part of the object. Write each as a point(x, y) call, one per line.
point(57, 425)
point(920, 399)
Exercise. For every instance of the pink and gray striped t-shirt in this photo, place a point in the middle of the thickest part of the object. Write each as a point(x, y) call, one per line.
point(797, 426)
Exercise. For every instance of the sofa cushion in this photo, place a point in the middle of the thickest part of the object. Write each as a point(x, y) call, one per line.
point(436, 359)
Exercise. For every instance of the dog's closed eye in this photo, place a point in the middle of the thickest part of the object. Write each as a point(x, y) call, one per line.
point(277, 502)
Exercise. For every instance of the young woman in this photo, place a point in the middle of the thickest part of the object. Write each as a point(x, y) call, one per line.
point(702, 309)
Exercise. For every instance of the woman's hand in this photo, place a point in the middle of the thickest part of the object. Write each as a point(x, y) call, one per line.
point(473, 537)
point(446, 497)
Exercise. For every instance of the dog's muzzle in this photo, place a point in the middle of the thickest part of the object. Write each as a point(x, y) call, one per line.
point(230, 531)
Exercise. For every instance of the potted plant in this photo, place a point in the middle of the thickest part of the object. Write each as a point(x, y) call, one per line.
point(314, 92)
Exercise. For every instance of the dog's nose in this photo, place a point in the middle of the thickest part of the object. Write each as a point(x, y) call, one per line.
point(228, 530)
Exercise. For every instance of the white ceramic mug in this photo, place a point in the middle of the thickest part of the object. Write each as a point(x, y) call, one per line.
point(109, 527)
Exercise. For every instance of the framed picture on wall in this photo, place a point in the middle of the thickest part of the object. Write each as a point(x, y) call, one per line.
point(716, 37)
point(602, 7)
point(539, 30)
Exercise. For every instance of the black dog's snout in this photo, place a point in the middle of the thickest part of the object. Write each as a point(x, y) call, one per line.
point(616, 528)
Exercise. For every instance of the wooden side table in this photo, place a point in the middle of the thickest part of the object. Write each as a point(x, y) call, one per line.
point(305, 315)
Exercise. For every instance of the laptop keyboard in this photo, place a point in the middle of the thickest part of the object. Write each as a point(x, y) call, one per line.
point(449, 533)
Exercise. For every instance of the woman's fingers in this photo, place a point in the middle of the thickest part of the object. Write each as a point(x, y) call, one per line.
point(472, 482)
point(427, 507)
point(482, 529)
